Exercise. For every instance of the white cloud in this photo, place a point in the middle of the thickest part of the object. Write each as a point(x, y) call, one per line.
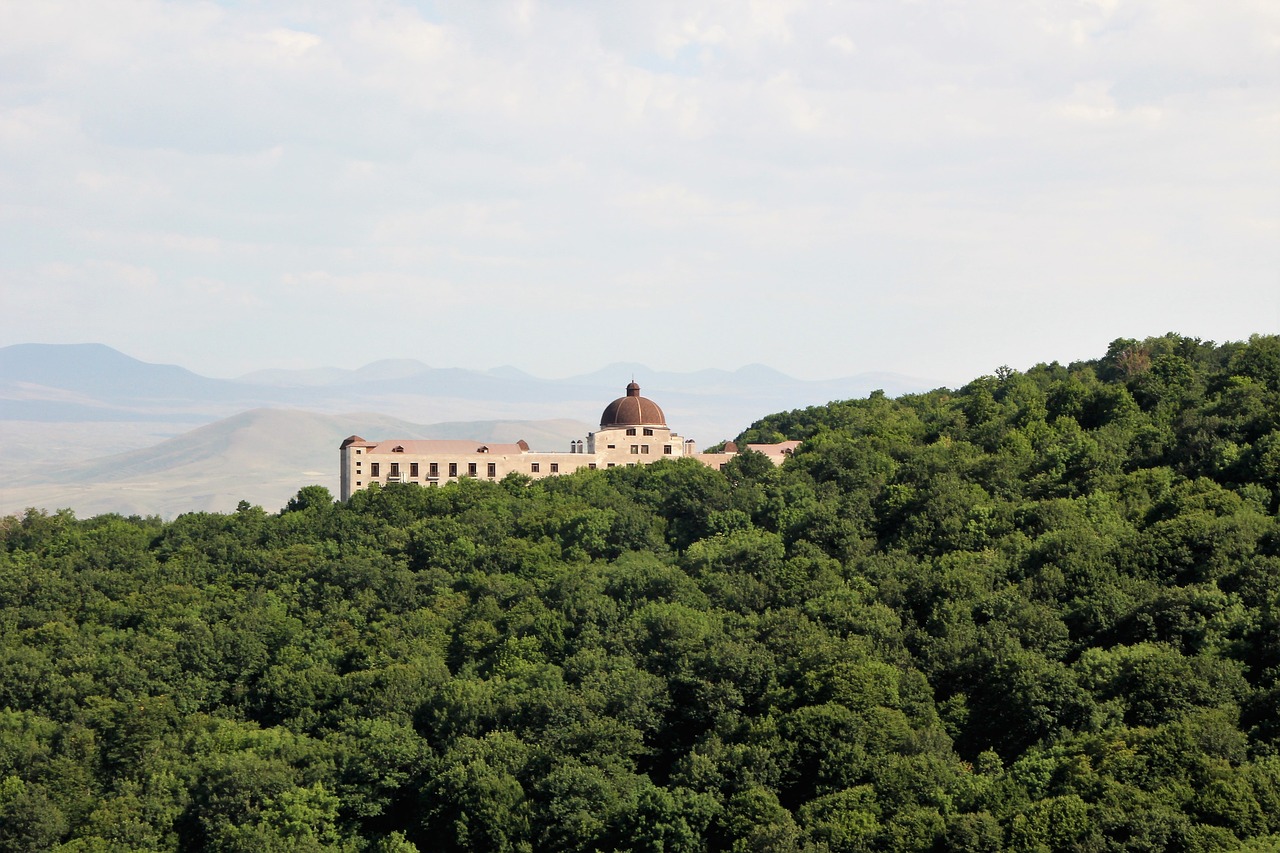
point(1089, 102)
point(842, 43)
point(287, 44)
point(909, 159)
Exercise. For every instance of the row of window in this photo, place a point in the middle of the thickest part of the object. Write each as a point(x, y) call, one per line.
point(632, 431)
point(472, 470)
point(433, 469)
point(640, 449)
point(643, 449)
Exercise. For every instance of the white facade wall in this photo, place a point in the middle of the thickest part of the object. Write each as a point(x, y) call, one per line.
point(635, 445)
point(368, 462)
point(432, 462)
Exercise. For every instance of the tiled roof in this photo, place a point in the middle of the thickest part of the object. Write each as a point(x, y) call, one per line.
point(776, 452)
point(632, 410)
point(446, 447)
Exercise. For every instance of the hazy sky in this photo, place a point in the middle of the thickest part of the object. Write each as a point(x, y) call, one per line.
point(933, 188)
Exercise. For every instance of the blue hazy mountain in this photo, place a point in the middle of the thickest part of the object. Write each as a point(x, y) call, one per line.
point(87, 382)
point(104, 373)
point(94, 429)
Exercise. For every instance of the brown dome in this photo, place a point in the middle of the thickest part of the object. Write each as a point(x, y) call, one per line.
point(632, 410)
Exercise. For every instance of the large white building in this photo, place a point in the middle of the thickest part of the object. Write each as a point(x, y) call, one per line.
point(633, 430)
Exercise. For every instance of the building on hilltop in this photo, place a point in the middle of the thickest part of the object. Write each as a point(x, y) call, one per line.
point(633, 431)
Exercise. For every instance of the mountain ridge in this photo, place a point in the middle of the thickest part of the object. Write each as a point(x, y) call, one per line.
point(262, 455)
point(225, 439)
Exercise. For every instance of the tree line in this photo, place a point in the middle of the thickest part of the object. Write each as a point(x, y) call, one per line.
point(1040, 612)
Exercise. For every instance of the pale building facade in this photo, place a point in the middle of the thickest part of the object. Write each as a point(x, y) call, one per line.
point(633, 431)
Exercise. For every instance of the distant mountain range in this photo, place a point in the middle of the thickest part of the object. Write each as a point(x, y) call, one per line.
point(89, 427)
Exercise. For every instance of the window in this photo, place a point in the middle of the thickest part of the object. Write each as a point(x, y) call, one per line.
point(358, 483)
point(666, 448)
point(592, 466)
point(534, 467)
point(471, 469)
point(648, 431)
point(357, 453)
point(413, 469)
point(493, 469)
point(555, 467)
point(433, 469)
point(611, 446)
point(610, 465)
point(635, 448)
point(395, 469)
point(644, 448)
point(631, 430)
point(373, 469)
point(453, 469)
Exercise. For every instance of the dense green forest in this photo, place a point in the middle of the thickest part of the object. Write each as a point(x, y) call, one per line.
point(1040, 612)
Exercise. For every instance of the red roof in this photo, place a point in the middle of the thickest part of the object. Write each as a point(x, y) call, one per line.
point(445, 446)
point(632, 410)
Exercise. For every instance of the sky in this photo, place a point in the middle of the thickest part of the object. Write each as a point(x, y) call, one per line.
point(929, 188)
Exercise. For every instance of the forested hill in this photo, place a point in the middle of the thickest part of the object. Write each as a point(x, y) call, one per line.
point(1040, 612)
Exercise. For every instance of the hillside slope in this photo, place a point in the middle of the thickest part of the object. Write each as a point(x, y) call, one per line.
point(1036, 613)
point(260, 456)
